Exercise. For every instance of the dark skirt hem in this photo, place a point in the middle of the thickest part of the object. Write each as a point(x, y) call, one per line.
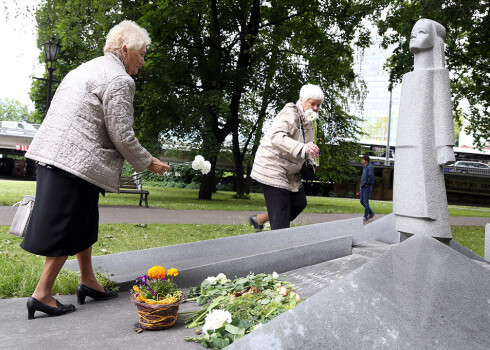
point(65, 217)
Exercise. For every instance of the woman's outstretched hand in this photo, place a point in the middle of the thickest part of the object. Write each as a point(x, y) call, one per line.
point(158, 167)
point(312, 150)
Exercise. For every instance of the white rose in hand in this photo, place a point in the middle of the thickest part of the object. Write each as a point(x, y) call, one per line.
point(198, 162)
point(206, 167)
point(311, 115)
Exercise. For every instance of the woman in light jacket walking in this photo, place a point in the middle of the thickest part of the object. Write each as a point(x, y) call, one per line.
point(80, 149)
point(279, 159)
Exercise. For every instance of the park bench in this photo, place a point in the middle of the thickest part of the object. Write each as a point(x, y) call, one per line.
point(132, 185)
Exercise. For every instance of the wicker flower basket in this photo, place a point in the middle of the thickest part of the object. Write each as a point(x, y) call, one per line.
point(157, 317)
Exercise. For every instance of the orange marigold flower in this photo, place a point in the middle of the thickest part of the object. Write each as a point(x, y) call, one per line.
point(157, 272)
point(172, 272)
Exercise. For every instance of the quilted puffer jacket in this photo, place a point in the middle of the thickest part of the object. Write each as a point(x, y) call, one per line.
point(278, 160)
point(88, 130)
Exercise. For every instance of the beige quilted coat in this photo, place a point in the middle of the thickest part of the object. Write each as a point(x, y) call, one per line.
point(88, 130)
point(278, 159)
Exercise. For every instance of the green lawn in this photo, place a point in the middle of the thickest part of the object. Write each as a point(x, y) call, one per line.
point(173, 198)
point(20, 270)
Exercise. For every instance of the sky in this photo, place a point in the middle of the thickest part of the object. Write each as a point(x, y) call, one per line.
point(19, 59)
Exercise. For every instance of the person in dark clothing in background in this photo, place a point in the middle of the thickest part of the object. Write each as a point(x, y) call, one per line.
point(367, 181)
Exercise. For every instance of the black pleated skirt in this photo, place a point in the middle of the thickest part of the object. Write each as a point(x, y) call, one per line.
point(65, 217)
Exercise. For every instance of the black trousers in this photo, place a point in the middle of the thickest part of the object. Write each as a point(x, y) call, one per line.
point(283, 206)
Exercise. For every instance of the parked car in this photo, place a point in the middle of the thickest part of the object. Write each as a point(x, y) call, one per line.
point(470, 167)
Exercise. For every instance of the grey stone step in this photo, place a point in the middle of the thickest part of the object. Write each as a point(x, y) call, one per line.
point(371, 249)
point(312, 279)
point(279, 250)
point(193, 272)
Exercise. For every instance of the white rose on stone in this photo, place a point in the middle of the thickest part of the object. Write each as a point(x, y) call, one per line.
point(215, 319)
point(211, 280)
point(221, 278)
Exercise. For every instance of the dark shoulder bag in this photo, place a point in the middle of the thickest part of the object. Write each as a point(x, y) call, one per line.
point(307, 170)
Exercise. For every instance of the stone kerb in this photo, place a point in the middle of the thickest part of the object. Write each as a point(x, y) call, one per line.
point(420, 294)
point(487, 242)
point(280, 261)
point(203, 253)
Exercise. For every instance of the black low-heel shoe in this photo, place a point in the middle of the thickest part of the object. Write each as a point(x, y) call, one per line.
point(255, 223)
point(84, 291)
point(34, 305)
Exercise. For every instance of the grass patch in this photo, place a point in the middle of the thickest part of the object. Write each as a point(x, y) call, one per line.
point(20, 270)
point(472, 237)
point(178, 198)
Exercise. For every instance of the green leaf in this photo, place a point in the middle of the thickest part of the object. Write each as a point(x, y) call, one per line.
point(201, 300)
point(220, 343)
point(232, 329)
point(279, 299)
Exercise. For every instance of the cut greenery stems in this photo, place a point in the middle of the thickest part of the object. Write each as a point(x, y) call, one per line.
point(20, 270)
point(177, 198)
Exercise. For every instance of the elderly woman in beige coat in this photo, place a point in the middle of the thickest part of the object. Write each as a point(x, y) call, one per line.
point(80, 149)
point(279, 159)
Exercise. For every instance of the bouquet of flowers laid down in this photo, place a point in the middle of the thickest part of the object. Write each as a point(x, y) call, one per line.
point(237, 307)
point(157, 287)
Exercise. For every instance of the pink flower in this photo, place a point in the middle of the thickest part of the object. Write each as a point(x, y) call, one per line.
point(294, 294)
point(282, 290)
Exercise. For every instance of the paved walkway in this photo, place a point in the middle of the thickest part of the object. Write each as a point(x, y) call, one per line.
point(141, 215)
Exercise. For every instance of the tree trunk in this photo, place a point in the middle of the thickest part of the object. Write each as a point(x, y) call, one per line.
point(248, 180)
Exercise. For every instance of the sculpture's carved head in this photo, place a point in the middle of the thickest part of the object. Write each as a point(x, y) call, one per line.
point(428, 36)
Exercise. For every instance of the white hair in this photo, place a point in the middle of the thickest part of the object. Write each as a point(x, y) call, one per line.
point(311, 91)
point(126, 33)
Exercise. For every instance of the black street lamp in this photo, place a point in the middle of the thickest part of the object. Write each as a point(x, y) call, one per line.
point(51, 50)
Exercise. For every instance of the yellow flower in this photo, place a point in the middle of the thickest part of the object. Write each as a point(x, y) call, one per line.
point(157, 272)
point(172, 272)
point(136, 289)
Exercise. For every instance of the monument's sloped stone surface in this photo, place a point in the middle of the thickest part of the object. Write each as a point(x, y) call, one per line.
point(211, 252)
point(420, 294)
point(465, 251)
point(382, 230)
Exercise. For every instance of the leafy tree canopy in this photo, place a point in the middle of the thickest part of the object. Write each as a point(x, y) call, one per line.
point(220, 68)
point(13, 110)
